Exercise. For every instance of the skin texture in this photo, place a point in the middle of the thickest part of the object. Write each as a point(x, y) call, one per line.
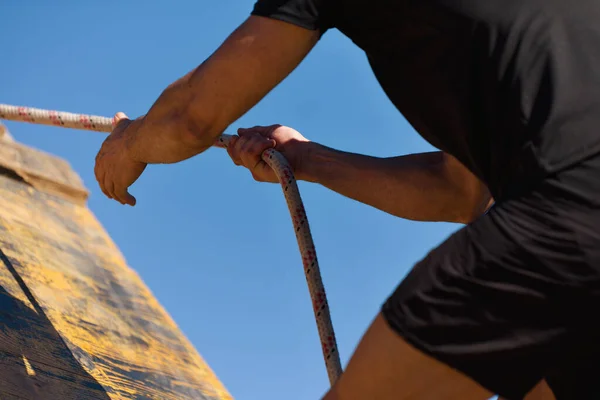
point(115, 170)
point(396, 370)
point(423, 187)
point(193, 111)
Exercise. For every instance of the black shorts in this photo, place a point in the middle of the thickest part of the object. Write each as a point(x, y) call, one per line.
point(514, 297)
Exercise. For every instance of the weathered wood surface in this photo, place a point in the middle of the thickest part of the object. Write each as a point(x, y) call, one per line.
point(75, 321)
point(42, 171)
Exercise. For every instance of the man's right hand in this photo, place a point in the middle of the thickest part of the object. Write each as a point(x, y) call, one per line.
point(193, 111)
point(247, 148)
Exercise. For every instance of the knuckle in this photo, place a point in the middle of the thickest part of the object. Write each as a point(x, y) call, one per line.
point(241, 143)
point(244, 151)
point(256, 147)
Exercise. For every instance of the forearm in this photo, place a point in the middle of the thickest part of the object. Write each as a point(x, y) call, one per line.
point(171, 131)
point(416, 187)
point(193, 111)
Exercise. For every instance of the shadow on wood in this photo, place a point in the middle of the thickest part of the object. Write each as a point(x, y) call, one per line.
point(31, 349)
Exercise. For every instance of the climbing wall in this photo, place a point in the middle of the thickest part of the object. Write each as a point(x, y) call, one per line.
point(75, 321)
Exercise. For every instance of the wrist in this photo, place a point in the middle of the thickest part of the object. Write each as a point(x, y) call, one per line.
point(308, 160)
point(167, 136)
point(132, 138)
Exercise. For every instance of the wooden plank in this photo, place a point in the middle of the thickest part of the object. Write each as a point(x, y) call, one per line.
point(42, 171)
point(70, 303)
point(5, 135)
point(27, 379)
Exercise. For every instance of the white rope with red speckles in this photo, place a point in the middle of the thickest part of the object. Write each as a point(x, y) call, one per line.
point(292, 196)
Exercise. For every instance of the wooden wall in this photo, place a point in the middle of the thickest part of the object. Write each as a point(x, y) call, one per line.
point(75, 321)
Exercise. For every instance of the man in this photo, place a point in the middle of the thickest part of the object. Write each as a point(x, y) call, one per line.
point(509, 93)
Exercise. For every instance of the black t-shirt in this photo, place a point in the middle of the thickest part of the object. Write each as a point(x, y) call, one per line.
point(509, 87)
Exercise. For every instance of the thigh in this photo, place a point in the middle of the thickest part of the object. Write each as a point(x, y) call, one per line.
point(386, 367)
point(541, 392)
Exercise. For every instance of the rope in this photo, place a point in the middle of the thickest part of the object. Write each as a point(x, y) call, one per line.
point(285, 175)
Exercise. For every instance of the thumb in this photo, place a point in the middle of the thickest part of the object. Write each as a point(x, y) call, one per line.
point(129, 199)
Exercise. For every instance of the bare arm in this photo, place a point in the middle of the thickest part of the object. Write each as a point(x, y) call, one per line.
point(423, 187)
point(193, 111)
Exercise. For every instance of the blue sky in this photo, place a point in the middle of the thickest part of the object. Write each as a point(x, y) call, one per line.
point(215, 247)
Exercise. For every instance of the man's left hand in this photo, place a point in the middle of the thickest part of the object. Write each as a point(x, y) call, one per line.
point(115, 169)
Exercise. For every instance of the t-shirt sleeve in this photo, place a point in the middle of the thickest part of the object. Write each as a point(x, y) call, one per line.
point(309, 14)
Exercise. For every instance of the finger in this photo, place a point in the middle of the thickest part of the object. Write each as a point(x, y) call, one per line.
point(131, 200)
point(118, 117)
point(251, 154)
point(261, 171)
point(247, 131)
point(109, 186)
point(253, 140)
point(100, 179)
point(118, 193)
point(232, 152)
point(247, 147)
point(124, 196)
point(238, 148)
point(99, 174)
point(261, 130)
